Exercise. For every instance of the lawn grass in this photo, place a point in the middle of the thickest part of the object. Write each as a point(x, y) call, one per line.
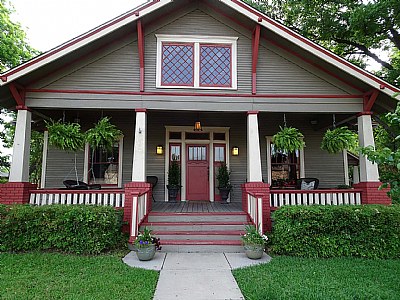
point(339, 278)
point(59, 276)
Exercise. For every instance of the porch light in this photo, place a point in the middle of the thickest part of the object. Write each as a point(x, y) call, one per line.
point(235, 151)
point(197, 126)
point(160, 150)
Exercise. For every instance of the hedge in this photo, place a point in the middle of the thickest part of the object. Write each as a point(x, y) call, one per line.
point(371, 231)
point(75, 229)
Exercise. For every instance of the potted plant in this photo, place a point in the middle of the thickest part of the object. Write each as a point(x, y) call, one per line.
point(339, 139)
point(288, 139)
point(65, 136)
point(146, 245)
point(174, 181)
point(254, 242)
point(224, 184)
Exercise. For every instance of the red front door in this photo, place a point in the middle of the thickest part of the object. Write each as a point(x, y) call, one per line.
point(197, 173)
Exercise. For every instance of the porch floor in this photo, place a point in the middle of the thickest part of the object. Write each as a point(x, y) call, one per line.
point(196, 207)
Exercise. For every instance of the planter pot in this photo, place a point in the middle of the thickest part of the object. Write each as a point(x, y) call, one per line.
point(146, 253)
point(173, 191)
point(254, 251)
point(224, 193)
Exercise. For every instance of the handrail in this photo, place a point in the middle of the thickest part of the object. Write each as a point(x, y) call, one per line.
point(141, 205)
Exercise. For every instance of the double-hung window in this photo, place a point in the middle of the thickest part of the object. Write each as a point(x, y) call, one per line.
point(196, 62)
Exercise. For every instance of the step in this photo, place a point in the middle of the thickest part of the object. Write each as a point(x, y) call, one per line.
point(202, 246)
point(195, 226)
point(198, 217)
point(201, 235)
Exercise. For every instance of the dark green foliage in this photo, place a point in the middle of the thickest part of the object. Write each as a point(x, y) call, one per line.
point(371, 231)
point(174, 174)
point(223, 176)
point(65, 136)
point(293, 278)
point(288, 139)
point(77, 229)
point(339, 139)
point(103, 134)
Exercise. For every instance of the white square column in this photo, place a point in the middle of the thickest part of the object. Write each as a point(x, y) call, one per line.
point(21, 149)
point(253, 148)
point(140, 147)
point(368, 170)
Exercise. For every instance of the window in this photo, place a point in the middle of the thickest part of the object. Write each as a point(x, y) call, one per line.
point(196, 62)
point(104, 166)
point(284, 168)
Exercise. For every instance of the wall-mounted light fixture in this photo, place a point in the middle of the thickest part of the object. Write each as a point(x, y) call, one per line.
point(160, 150)
point(235, 151)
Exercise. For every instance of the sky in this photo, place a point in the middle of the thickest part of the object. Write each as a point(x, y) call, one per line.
point(49, 23)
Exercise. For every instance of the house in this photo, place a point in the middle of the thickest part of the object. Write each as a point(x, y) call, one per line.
point(163, 70)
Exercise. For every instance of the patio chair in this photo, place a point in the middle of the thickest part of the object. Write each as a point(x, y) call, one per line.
point(80, 185)
point(153, 181)
point(307, 184)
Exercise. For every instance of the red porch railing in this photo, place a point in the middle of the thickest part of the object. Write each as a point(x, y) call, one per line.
point(315, 197)
point(106, 197)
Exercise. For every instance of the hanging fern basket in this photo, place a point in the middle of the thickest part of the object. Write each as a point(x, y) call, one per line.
point(339, 139)
point(103, 134)
point(288, 139)
point(65, 136)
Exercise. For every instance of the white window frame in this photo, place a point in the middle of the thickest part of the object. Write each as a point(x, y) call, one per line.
point(269, 167)
point(197, 40)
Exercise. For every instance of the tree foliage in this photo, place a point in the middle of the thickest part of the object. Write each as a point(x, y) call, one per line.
point(14, 47)
point(354, 29)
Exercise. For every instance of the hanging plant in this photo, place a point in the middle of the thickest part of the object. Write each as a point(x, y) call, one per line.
point(288, 139)
point(339, 139)
point(65, 136)
point(103, 134)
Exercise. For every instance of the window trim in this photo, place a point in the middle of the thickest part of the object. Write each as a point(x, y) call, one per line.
point(269, 166)
point(197, 40)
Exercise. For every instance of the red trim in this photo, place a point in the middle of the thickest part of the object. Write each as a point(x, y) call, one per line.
point(311, 44)
point(369, 100)
point(22, 107)
point(106, 92)
point(365, 113)
point(201, 242)
point(18, 96)
point(222, 232)
point(191, 223)
point(255, 44)
point(3, 78)
point(341, 191)
point(197, 214)
point(141, 53)
point(76, 40)
point(104, 191)
point(141, 110)
point(253, 112)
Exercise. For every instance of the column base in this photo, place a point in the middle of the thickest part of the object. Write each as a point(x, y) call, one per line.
point(260, 190)
point(371, 193)
point(16, 192)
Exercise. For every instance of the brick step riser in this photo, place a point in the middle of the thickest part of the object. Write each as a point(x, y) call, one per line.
point(193, 228)
point(202, 248)
point(194, 237)
point(206, 218)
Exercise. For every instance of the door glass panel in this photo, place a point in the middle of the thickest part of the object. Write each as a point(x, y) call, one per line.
point(197, 153)
point(219, 155)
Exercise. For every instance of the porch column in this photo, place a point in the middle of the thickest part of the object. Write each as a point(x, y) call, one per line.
point(253, 148)
point(20, 160)
point(369, 176)
point(368, 170)
point(140, 147)
point(356, 175)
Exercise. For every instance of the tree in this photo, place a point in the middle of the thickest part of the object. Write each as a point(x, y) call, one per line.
point(14, 48)
point(354, 29)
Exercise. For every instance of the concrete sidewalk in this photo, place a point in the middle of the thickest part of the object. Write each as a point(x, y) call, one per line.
point(196, 276)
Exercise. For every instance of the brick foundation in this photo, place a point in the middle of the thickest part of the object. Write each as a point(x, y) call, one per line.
point(259, 190)
point(16, 192)
point(371, 193)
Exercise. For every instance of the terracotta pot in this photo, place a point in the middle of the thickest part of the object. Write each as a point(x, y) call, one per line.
point(254, 251)
point(146, 253)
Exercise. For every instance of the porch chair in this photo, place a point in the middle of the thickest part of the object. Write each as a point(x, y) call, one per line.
point(80, 185)
point(307, 184)
point(153, 181)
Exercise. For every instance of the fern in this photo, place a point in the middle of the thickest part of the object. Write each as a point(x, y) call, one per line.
point(339, 139)
point(103, 134)
point(288, 139)
point(65, 136)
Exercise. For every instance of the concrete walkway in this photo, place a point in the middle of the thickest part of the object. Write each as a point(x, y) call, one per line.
point(196, 276)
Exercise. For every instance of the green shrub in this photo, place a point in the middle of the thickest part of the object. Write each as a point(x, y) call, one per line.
point(371, 231)
point(77, 229)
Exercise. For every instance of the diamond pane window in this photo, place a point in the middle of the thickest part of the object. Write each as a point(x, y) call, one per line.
point(177, 64)
point(215, 65)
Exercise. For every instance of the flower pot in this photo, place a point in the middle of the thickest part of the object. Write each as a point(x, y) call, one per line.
point(146, 252)
point(224, 193)
point(254, 251)
point(173, 191)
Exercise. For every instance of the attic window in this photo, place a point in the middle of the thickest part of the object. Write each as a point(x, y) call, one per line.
point(196, 62)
